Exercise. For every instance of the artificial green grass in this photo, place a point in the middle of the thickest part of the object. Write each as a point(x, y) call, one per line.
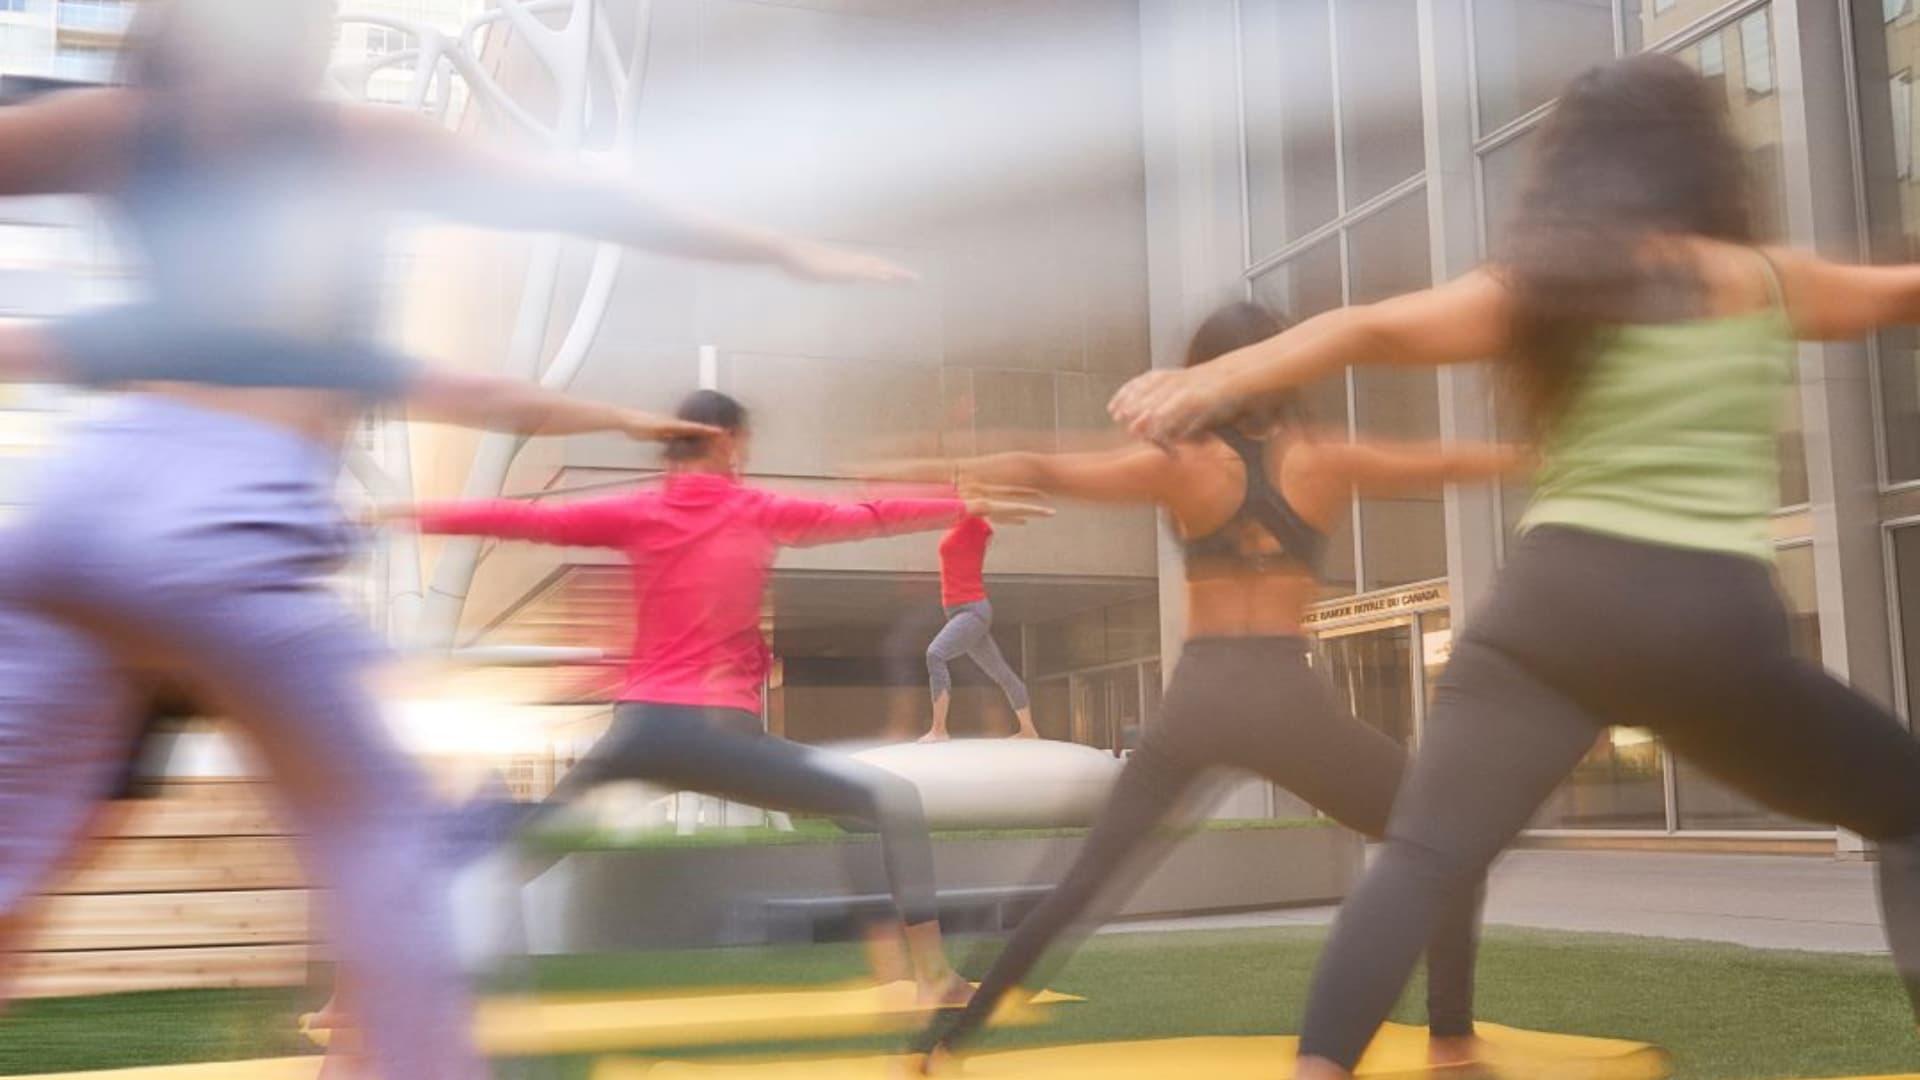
point(559, 839)
point(1726, 1012)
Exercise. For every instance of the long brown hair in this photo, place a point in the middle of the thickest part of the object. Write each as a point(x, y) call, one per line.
point(1234, 327)
point(1635, 149)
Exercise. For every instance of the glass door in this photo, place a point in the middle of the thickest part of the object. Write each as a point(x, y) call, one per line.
point(1372, 667)
point(1107, 708)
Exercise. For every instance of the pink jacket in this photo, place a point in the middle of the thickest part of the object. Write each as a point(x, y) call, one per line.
point(700, 551)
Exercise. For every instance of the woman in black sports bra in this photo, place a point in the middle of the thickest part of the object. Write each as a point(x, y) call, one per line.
point(1253, 506)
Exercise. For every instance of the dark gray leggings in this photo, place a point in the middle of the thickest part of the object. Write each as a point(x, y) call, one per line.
point(1252, 704)
point(1585, 631)
point(724, 753)
point(969, 632)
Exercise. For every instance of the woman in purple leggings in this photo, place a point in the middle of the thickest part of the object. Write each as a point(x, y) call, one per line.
point(191, 530)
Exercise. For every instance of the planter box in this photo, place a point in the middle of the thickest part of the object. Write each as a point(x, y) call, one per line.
point(691, 895)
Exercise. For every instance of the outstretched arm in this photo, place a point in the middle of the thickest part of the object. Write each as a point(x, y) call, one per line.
point(1461, 322)
point(68, 143)
point(491, 403)
point(1383, 468)
point(426, 167)
point(809, 522)
point(1130, 474)
point(590, 523)
point(1830, 301)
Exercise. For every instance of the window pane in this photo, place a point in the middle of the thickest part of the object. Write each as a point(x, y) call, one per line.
point(1503, 171)
point(1403, 539)
point(1286, 58)
point(1383, 140)
point(1702, 802)
point(1712, 58)
point(1900, 97)
point(1906, 574)
point(1756, 52)
point(1650, 22)
point(1297, 290)
point(1525, 49)
point(1619, 785)
point(1887, 130)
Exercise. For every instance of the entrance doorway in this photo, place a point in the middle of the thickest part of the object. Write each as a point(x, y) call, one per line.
point(1372, 669)
point(1384, 671)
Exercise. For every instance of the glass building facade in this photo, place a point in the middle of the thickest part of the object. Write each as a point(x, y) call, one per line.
point(1369, 147)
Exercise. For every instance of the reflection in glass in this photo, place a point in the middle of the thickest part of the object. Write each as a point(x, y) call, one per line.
point(1287, 67)
point(1106, 708)
point(1373, 674)
point(1382, 136)
point(1893, 199)
point(1525, 50)
point(1436, 647)
point(1620, 784)
point(1702, 802)
point(1503, 172)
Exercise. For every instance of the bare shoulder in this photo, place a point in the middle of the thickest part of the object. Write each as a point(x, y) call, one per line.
point(1740, 279)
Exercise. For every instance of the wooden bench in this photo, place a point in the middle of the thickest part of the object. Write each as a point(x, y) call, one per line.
point(836, 918)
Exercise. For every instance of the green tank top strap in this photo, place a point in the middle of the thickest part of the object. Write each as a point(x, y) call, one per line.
point(1776, 289)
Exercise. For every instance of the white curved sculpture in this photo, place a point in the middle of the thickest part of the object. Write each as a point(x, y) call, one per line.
point(1003, 783)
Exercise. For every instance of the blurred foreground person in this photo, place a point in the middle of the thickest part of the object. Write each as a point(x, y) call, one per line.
point(689, 715)
point(1252, 502)
point(1650, 342)
point(190, 530)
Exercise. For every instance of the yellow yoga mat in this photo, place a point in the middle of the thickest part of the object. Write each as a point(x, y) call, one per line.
point(583, 1024)
point(294, 1068)
point(1397, 1050)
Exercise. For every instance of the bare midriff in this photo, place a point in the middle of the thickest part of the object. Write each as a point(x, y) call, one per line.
point(1249, 605)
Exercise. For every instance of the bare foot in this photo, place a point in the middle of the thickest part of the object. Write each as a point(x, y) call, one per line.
point(953, 992)
point(934, 736)
point(1026, 734)
point(327, 1019)
point(1455, 1050)
point(939, 1063)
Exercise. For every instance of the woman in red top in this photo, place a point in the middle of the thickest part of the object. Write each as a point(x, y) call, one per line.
point(689, 714)
point(969, 629)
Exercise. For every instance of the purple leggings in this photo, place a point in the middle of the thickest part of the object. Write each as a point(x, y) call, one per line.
point(200, 542)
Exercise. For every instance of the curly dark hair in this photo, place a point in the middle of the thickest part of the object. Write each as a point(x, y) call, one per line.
point(1634, 150)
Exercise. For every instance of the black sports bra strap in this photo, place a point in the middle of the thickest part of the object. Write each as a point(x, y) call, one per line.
point(1253, 454)
point(1263, 506)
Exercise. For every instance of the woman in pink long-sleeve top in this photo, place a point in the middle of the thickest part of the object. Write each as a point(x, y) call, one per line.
point(689, 713)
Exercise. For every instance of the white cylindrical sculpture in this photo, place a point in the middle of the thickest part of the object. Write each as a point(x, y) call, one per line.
point(1003, 783)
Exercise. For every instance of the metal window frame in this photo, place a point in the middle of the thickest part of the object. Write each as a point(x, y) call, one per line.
point(1345, 214)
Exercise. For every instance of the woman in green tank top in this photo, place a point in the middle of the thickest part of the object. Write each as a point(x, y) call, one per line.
point(1649, 342)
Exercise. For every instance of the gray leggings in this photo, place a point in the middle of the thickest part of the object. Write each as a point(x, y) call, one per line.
point(1583, 631)
point(1249, 704)
point(969, 632)
point(724, 752)
point(199, 543)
